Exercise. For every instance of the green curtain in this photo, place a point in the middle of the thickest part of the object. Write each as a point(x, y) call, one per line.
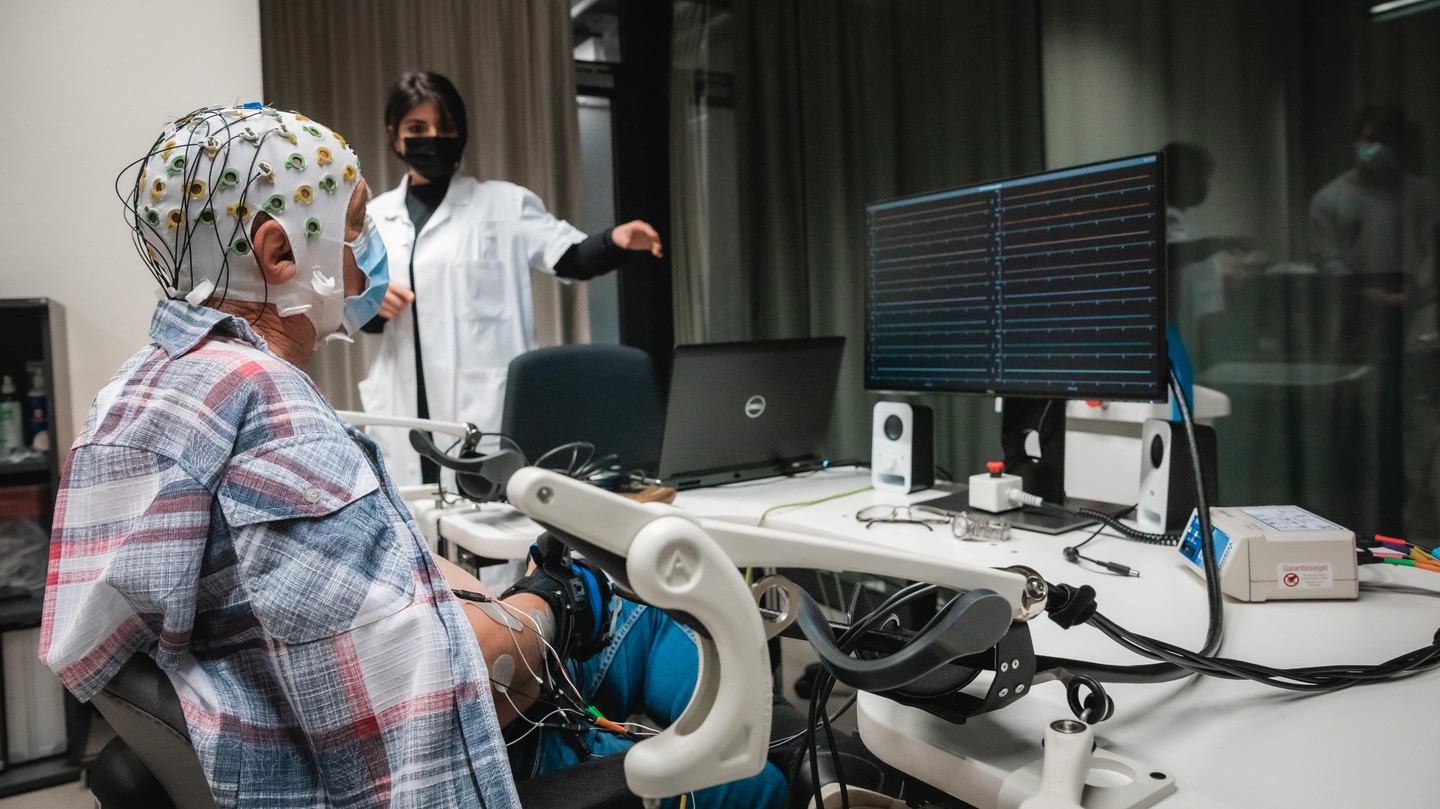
point(836, 104)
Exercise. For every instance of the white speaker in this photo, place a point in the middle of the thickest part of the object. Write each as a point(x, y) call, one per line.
point(1167, 480)
point(902, 448)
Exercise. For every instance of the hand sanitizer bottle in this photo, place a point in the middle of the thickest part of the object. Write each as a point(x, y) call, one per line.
point(37, 431)
point(12, 435)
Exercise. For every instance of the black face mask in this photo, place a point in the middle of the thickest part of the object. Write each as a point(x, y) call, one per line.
point(435, 158)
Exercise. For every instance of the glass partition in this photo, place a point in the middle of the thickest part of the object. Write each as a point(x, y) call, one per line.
point(1303, 146)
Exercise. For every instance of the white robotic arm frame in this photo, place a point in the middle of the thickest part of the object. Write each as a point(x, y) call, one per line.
point(677, 562)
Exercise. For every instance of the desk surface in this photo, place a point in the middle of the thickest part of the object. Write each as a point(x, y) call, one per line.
point(1227, 743)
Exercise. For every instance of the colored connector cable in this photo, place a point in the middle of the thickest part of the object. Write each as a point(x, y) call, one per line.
point(602, 722)
point(1382, 547)
point(1411, 563)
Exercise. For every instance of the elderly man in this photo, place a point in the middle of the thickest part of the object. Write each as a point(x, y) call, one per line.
point(218, 516)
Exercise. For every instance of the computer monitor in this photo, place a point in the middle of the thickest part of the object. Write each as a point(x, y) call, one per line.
point(1038, 289)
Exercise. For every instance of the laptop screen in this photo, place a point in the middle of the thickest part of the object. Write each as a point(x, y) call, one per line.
point(739, 411)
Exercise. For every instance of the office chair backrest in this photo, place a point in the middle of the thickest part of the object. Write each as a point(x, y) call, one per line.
point(141, 706)
point(607, 395)
point(152, 764)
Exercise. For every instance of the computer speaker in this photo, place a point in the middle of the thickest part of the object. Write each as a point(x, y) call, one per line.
point(1167, 480)
point(902, 448)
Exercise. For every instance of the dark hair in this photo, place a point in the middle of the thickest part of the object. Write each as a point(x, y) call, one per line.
point(1388, 119)
point(1188, 167)
point(416, 88)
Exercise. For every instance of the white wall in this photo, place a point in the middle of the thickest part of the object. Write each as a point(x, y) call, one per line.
point(84, 89)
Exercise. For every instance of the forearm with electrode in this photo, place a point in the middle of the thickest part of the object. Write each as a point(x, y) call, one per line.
point(513, 635)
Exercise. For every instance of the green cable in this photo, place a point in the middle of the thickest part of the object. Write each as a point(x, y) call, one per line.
point(761, 522)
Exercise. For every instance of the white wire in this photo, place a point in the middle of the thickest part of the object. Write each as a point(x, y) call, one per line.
point(653, 731)
point(564, 671)
point(786, 740)
point(505, 692)
point(845, 708)
point(513, 639)
point(539, 680)
point(536, 723)
point(534, 726)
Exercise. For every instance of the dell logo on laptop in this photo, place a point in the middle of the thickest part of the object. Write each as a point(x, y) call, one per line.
point(754, 406)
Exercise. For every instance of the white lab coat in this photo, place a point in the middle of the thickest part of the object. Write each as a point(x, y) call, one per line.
point(472, 291)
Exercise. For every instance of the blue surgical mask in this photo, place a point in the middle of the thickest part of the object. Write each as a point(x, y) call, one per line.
point(370, 255)
point(1377, 159)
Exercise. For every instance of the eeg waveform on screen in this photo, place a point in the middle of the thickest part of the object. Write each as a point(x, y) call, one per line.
point(1046, 285)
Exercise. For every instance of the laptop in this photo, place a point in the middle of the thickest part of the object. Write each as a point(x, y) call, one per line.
point(741, 411)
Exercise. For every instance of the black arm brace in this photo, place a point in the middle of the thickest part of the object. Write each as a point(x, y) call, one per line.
point(578, 597)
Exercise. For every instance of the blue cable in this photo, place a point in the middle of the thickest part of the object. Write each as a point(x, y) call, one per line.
point(1180, 362)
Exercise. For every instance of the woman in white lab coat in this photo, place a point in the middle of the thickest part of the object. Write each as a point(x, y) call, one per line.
point(459, 307)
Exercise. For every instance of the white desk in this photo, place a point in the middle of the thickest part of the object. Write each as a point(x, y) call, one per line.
point(497, 531)
point(1227, 743)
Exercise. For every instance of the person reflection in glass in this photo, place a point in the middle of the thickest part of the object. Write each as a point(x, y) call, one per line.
point(1375, 218)
point(1205, 270)
point(1376, 223)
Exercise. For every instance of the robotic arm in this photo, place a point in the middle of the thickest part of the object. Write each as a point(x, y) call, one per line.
point(689, 568)
point(480, 478)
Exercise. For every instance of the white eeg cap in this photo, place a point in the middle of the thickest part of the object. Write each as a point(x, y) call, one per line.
point(206, 179)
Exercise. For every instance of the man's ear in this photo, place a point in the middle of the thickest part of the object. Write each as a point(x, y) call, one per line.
point(273, 253)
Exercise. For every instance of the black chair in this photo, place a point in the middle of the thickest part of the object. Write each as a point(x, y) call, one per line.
point(606, 395)
point(151, 763)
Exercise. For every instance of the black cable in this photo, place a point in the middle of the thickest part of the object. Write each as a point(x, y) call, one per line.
point(1167, 539)
point(575, 447)
point(1178, 662)
point(1215, 626)
point(825, 682)
point(1215, 630)
point(596, 465)
point(1311, 679)
point(1073, 555)
point(834, 762)
point(1114, 567)
point(504, 439)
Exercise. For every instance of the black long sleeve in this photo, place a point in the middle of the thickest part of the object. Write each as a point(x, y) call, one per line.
point(595, 256)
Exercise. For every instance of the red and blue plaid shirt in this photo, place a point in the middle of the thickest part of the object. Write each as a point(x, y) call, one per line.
point(217, 515)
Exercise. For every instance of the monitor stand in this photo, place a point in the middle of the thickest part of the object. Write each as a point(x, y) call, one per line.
point(1039, 520)
point(1054, 521)
point(1023, 421)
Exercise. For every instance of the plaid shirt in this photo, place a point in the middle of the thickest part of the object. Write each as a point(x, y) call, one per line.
point(217, 515)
